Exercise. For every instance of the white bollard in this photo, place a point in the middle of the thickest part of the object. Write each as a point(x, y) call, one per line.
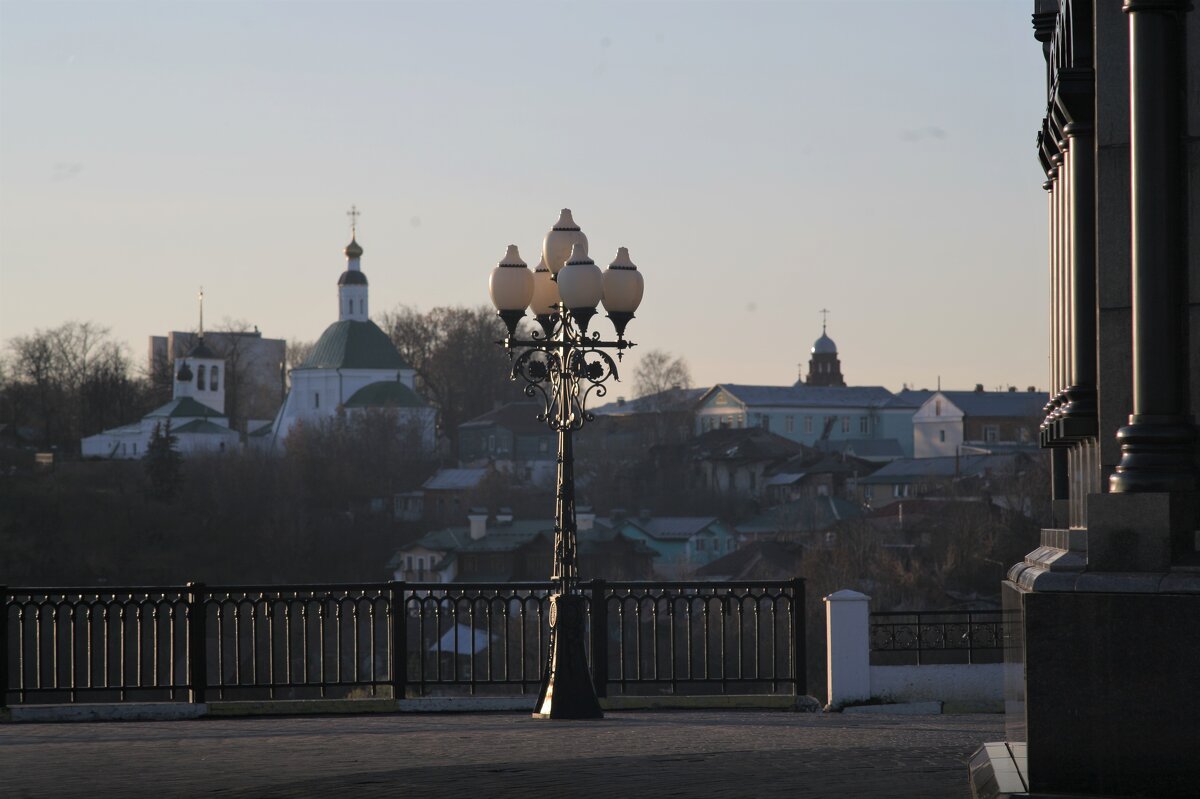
point(847, 647)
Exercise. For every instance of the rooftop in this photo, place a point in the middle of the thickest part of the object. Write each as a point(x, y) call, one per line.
point(802, 395)
point(354, 345)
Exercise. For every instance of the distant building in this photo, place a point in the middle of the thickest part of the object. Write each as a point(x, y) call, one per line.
point(354, 367)
point(917, 477)
point(254, 381)
point(511, 438)
point(818, 411)
point(948, 420)
point(195, 415)
point(501, 549)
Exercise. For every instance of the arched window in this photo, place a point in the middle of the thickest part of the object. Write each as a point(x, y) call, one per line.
point(360, 306)
point(349, 306)
point(212, 381)
point(200, 377)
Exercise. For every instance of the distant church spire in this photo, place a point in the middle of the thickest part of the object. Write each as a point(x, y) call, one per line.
point(201, 312)
point(352, 285)
point(824, 368)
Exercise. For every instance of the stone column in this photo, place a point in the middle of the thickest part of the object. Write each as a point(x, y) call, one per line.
point(848, 647)
point(1157, 447)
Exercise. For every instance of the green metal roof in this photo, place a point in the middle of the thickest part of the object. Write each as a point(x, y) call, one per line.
point(385, 394)
point(354, 345)
point(204, 427)
point(186, 408)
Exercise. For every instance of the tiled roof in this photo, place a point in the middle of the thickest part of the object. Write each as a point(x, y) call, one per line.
point(673, 527)
point(909, 398)
point(185, 408)
point(519, 417)
point(914, 469)
point(864, 447)
point(385, 394)
point(743, 443)
point(755, 560)
point(454, 479)
point(805, 513)
point(805, 396)
point(671, 399)
point(1023, 404)
point(354, 345)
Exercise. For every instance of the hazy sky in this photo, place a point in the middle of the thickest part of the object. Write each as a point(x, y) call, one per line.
point(760, 160)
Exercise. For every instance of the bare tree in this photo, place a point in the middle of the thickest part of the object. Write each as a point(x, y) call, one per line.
point(660, 381)
point(453, 351)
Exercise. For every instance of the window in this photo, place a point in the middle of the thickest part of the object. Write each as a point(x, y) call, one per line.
point(864, 424)
point(360, 306)
point(937, 407)
point(808, 424)
point(212, 381)
point(868, 492)
point(699, 544)
point(766, 422)
point(900, 490)
point(491, 443)
point(409, 564)
point(349, 306)
point(942, 436)
point(991, 433)
point(135, 448)
point(200, 377)
point(316, 399)
point(789, 424)
point(845, 424)
point(420, 561)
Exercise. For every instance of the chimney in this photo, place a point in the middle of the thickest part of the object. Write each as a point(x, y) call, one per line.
point(1012, 389)
point(504, 516)
point(1032, 389)
point(979, 388)
point(478, 519)
point(585, 518)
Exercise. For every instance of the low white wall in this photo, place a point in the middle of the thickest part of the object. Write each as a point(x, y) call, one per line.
point(972, 683)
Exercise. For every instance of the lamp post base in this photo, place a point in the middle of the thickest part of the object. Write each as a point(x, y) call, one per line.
point(567, 690)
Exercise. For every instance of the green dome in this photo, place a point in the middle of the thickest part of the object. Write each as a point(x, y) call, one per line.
point(385, 394)
point(354, 345)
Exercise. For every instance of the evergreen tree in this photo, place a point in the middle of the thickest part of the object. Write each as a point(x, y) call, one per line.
point(163, 464)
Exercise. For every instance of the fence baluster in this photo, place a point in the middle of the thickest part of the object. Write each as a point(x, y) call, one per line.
point(197, 624)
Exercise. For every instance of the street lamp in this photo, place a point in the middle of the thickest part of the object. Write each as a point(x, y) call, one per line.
point(564, 365)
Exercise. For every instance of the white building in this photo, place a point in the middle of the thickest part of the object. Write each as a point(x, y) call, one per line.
point(195, 415)
point(353, 366)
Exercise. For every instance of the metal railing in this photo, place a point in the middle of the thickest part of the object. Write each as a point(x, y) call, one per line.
point(936, 636)
point(201, 643)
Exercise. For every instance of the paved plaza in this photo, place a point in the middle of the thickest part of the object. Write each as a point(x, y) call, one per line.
point(628, 754)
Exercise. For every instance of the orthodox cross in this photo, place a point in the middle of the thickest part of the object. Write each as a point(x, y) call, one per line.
point(824, 318)
point(354, 214)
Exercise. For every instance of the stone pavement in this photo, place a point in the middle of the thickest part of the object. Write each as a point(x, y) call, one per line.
point(628, 754)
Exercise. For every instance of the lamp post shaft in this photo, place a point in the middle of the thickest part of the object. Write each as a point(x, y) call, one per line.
point(567, 691)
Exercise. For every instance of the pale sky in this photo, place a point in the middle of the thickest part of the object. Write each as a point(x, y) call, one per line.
point(760, 160)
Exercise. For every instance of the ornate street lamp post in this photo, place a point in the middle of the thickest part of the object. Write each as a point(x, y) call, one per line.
point(564, 365)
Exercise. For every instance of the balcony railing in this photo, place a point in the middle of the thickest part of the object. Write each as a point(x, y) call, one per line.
point(932, 637)
point(202, 643)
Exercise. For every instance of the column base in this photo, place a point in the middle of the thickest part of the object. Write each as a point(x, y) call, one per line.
point(567, 691)
point(1158, 454)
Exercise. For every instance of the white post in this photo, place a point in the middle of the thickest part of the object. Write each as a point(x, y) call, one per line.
point(847, 647)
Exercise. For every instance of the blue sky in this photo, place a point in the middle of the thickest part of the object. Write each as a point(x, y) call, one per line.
point(760, 160)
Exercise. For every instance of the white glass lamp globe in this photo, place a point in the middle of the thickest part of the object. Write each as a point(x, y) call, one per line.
point(580, 282)
point(623, 284)
point(561, 240)
point(545, 292)
point(511, 283)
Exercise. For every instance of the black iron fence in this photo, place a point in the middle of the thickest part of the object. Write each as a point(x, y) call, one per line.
point(941, 636)
point(202, 643)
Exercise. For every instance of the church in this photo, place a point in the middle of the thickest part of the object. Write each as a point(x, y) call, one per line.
point(353, 366)
point(820, 410)
point(195, 416)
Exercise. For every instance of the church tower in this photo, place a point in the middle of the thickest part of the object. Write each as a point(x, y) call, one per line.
point(201, 375)
point(824, 368)
point(352, 285)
